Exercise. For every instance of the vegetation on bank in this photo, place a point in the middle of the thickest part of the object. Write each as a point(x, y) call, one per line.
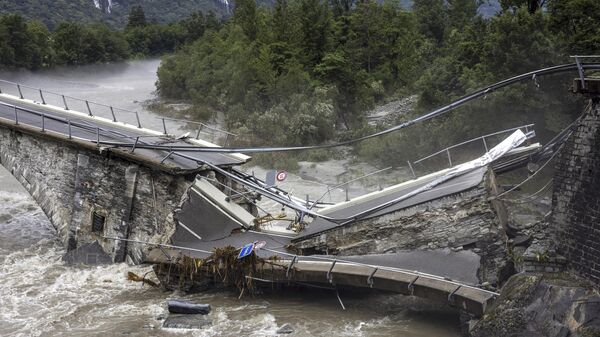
point(305, 71)
point(29, 44)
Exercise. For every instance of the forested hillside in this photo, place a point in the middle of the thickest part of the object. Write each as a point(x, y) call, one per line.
point(114, 12)
point(29, 44)
point(306, 71)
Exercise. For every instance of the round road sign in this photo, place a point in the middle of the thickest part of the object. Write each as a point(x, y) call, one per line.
point(281, 175)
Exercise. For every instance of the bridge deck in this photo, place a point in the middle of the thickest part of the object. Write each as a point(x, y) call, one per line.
point(355, 206)
point(222, 231)
point(381, 272)
point(111, 131)
point(470, 299)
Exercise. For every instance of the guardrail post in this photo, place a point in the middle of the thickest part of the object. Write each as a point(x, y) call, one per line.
point(167, 156)
point(16, 115)
point(43, 124)
point(164, 125)
point(329, 276)
point(137, 117)
point(579, 70)
point(226, 139)
point(88, 107)
point(484, 144)
point(65, 102)
point(449, 158)
point(98, 137)
point(20, 93)
point(370, 278)
point(42, 97)
point(411, 169)
point(198, 133)
point(112, 112)
point(290, 266)
point(451, 295)
point(411, 285)
point(134, 144)
point(346, 189)
point(69, 122)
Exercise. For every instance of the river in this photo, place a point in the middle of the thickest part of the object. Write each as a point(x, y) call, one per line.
point(41, 296)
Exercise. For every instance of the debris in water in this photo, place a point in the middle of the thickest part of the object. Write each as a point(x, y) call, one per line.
point(184, 307)
point(186, 322)
point(285, 329)
point(131, 276)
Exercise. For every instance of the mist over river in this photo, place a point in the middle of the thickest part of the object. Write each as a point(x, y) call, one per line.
point(41, 296)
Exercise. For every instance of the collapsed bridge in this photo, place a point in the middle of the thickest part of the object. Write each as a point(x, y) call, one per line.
point(114, 190)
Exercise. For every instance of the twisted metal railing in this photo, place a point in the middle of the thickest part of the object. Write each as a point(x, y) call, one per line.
point(526, 128)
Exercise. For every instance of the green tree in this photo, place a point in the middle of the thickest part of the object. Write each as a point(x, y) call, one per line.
point(531, 5)
point(575, 23)
point(194, 26)
point(40, 52)
point(245, 15)
point(17, 45)
point(137, 17)
point(433, 18)
point(212, 22)
point(462, 12)
point(77, 44)
point(315, 31)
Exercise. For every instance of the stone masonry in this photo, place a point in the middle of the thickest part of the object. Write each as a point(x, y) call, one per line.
point(77, 184)
point(576, 198)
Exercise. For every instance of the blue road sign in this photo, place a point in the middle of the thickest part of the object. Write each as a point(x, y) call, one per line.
point(246, 250)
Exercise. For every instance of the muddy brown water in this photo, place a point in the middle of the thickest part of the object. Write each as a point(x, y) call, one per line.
point(41, 296)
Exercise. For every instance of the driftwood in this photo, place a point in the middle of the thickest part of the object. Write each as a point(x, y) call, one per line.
point(131, 276)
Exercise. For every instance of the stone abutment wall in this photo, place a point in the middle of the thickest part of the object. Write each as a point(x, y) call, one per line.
point(77, 185)
point(576, 197)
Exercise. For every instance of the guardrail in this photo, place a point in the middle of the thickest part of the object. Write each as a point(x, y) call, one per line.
point(483, 138)
point(96, 131)
point(201, 127)
point(66, 102)
point(334, 260)
point(376, 268)
point(346, 183)
point(92, 108)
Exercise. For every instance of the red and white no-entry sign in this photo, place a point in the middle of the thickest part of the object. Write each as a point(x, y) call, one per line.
point(281, 175)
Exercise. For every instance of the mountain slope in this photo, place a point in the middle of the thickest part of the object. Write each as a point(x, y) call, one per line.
point(113, 12)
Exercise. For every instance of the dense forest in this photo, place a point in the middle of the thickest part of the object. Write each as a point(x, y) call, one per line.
point(29, 44)
point(305, 71)
point(114, 13)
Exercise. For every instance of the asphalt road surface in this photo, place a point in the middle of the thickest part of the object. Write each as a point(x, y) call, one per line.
point(113, 132)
